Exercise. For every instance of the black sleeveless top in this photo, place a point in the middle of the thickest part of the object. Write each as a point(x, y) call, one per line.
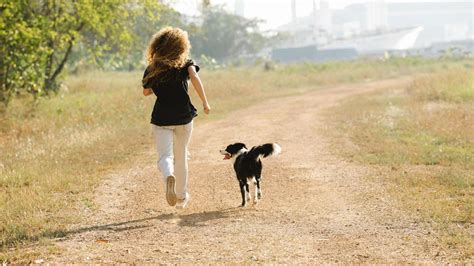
point(173, 105)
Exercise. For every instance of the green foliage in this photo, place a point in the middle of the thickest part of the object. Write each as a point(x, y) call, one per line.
point(38, 37)
point(42, 38)
point(223, 35)
point(209, 62)
point(19, 52)
point(127, 55)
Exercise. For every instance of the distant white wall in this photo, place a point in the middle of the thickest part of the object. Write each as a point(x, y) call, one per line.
point(376, 15)
point(455, 32)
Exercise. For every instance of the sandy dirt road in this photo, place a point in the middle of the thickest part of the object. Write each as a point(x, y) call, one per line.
point(316, 206)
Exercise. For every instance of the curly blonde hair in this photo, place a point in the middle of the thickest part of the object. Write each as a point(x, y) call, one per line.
point(169, 48)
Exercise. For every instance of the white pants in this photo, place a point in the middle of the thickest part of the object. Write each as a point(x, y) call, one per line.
point(172, 145)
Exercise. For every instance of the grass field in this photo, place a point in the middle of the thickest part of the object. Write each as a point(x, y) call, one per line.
point(54, 151)
point(422, 137)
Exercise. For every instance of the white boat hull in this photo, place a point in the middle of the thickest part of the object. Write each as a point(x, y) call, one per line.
point(396, 40)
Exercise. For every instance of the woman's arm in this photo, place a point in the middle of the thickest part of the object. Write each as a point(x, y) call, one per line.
point(147, 91)
point(197, 84)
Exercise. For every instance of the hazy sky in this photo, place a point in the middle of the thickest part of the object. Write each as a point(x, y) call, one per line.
point(274, 12)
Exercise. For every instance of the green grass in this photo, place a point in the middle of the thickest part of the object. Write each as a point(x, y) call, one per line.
point(54, 151)
point(424, 136)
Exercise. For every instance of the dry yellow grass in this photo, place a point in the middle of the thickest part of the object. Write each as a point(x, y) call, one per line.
point(53, 152)
point(423, 138)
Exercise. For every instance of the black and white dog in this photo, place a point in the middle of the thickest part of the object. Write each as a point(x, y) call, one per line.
point(248, 166)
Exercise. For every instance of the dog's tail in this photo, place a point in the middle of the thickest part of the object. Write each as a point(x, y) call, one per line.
point(265, 150)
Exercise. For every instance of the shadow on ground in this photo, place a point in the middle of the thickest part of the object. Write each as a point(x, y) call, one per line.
point(193, 219)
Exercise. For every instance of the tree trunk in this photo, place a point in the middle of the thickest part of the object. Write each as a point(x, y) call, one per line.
point(4, 86)
point(48, 84)
point(50, 80)
point(4, 99)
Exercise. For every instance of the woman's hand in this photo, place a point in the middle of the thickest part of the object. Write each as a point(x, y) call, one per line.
point(207, 108)
point(147, 91)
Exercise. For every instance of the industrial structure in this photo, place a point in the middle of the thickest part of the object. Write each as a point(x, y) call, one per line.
point(374, 28)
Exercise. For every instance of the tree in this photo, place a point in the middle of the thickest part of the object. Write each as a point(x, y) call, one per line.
point(222, 35)
point(38, 37)
point(142, 28)
point(19, 51)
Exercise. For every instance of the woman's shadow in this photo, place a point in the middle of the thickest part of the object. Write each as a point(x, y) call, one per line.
point(193, 220)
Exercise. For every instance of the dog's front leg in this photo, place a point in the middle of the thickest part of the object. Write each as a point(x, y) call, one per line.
point(242, 191)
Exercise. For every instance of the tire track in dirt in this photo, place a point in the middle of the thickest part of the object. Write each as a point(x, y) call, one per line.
point(316, 207)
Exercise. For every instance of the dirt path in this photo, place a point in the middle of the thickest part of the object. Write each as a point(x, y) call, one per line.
point(316, 207)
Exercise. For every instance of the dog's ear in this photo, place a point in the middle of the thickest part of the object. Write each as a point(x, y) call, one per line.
point(234, 148)
point(241, 145)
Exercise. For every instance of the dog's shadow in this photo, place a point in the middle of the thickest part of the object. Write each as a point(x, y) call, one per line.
point(203, 218)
